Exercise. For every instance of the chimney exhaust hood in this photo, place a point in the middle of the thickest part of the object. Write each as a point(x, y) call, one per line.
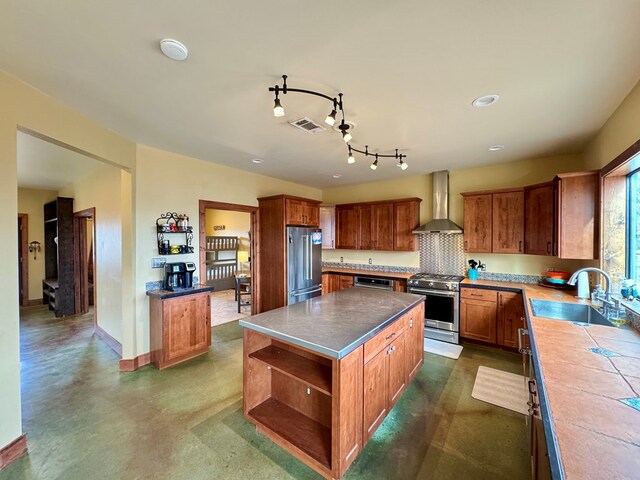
point(440, 222)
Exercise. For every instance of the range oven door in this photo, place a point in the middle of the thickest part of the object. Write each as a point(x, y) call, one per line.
point(441, 309)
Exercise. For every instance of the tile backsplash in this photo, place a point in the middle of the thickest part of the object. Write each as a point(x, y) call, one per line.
point(377, 268)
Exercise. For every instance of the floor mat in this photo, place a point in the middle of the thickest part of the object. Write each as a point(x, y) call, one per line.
point(504, 389)
point(443, 349)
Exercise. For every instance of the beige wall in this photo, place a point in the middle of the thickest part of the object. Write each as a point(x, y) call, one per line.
point(31, 201)
point(97, 191)
point(28, 108)
point(198, 180)
point(503, 175)
point(618, 133)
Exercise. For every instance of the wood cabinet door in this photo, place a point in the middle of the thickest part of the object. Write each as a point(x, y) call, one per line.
point(510, 314)
point(327, 225)
point(477, 223)
point(415, 341)
point(311, 214)
point(375, 394)
point(538, 220)
point(345, 281)
point(326, 283)
point(346, 227)
point(186, 326)
point(508, 222)
point(400, 286)
point(382, 226)
point(294, 211)
point(406, 217)
point(365, 227)
point(397, 368)
point(478, 320)
point(577, 219)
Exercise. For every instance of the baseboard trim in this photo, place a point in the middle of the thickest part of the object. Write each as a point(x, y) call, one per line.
point(33, 303)
point(13, 451)
point(132, 364)
point(115, 345)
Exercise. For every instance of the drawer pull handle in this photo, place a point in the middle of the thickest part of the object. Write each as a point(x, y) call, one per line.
point(391, 336)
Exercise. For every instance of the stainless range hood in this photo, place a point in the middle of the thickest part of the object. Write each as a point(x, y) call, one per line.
point(440, 222)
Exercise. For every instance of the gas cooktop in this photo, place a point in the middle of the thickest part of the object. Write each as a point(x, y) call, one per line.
point(435, 281)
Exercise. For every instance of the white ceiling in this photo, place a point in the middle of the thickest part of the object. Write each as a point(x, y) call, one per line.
point(409, 71)
point(46, 166)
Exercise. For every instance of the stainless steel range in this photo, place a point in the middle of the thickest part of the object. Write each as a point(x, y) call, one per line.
point(442, 314)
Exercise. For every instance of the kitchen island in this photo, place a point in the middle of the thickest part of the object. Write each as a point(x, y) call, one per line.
point(320, 376)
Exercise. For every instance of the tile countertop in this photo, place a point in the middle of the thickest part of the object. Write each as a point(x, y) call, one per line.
point(591, 433)
point(370, 273)
point(334, 324)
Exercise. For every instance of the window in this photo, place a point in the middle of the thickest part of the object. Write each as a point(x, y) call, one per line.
point(633, 226)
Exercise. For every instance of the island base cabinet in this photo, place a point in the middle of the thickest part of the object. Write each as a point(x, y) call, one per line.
point(180, 328)
point(309, 404)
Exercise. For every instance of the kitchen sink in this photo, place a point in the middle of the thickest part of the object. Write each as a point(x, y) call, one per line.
point(572, 312)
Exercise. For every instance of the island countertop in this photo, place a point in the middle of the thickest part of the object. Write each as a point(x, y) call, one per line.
point(337, 323)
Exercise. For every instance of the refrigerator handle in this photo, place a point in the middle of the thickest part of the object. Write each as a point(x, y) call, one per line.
point(305, 256)
point(310, 264)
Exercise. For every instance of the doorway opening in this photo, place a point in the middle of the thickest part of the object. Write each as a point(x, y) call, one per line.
point(227, 259)
point(84, 261)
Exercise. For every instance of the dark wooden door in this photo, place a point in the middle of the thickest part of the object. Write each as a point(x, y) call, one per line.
point(365, 227)
point(406, 217)
point(375, 393)
point(382, 226)
point(478, 320)
point(415, 341)
point(477, 223)
point(508, 222)
point(397, 369)
point(538, 220)
point(346, 227)
point(186, 326)
point(510, 314)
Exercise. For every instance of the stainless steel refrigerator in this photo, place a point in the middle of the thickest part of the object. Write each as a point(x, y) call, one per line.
point(304, 263)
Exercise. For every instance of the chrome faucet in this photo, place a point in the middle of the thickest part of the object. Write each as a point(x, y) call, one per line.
point(607, 292)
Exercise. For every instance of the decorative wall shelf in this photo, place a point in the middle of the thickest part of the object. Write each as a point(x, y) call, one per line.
point(176, 227)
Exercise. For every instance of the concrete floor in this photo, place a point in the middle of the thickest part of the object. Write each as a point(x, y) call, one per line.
point(85, 420)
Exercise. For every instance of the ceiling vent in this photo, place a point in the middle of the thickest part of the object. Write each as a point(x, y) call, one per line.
point(308, 125)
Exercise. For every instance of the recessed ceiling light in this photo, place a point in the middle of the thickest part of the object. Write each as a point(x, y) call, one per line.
point(485, 101)
point(336, 175)
point(174, 49)
point(257, 160)
point(495, 148)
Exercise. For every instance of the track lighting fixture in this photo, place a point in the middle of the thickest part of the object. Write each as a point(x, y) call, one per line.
point(398, 156)
point(337, 108)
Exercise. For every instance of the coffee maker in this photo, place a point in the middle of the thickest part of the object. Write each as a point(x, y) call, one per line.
point(178, 275)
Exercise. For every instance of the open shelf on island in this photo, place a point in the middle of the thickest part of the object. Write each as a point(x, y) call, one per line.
point(311, 437)
point(306, 370)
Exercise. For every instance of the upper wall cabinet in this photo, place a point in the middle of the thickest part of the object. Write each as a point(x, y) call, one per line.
point(539, 219)
point(508, 222)
point(302, 212)
point(328, 226)
point(577, 227)
point(477, 223)
point(378, 225)
point(555, 218)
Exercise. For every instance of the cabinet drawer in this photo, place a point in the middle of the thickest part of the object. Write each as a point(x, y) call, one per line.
point(479, 294)
point(384, 338)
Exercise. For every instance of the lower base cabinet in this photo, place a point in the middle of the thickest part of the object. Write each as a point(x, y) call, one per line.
point(491, 316)
point(180, 328)
point(323, 410)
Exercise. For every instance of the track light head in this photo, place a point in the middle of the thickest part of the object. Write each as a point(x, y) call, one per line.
point(374, 165)
point(403, 165)
point(346, 136)
point(351, 160)
point(331, 118)
point(278, 110)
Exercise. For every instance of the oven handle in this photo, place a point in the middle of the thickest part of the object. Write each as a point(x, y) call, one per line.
point(442, 293)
